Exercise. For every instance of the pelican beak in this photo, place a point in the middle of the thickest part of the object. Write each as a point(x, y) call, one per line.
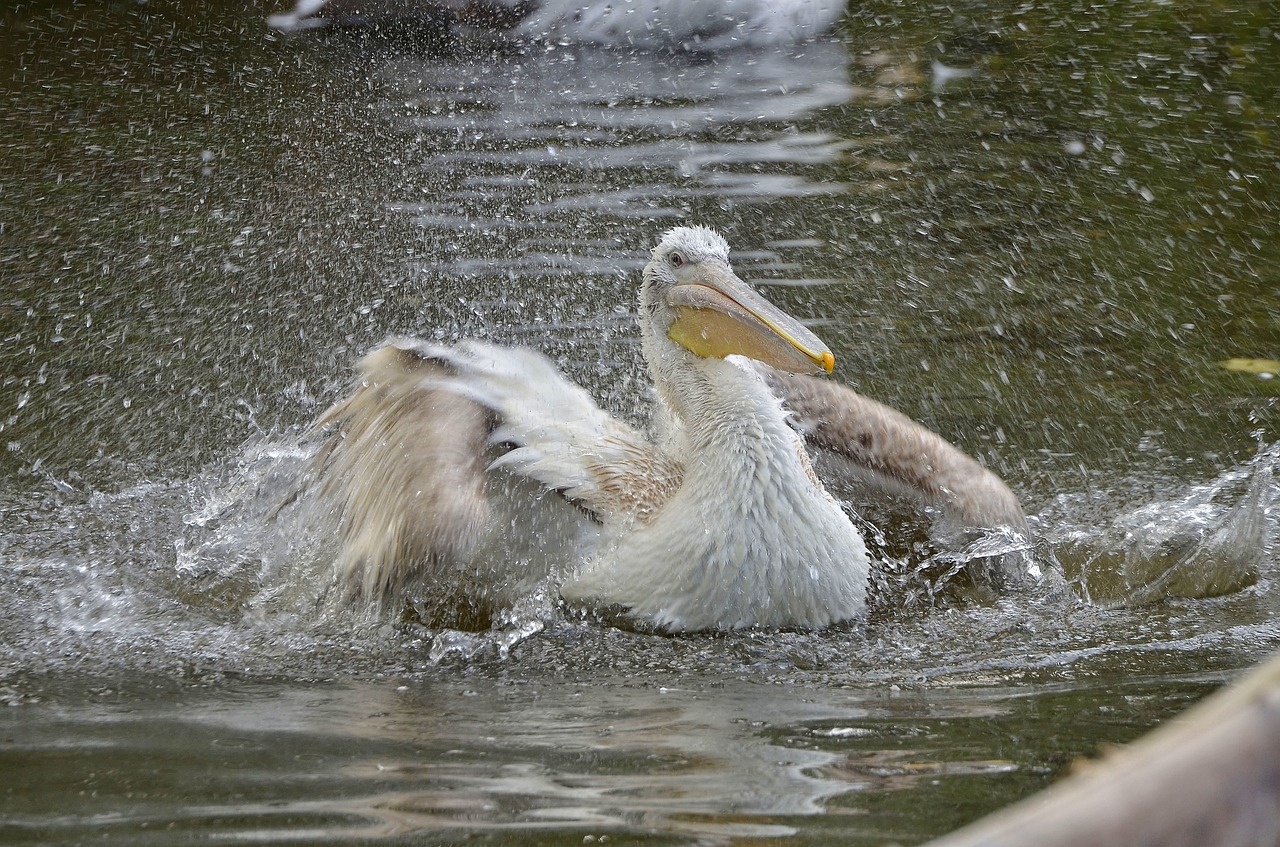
point(718, 315)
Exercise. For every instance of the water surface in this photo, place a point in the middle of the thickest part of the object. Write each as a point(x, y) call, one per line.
point(1039, 230)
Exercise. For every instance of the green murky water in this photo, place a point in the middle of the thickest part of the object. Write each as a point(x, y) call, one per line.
point(202, 225)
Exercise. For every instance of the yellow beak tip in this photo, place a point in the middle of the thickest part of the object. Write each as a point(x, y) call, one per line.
point(828, 361)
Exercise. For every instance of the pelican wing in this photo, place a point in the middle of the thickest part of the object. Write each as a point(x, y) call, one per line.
point(402, 461)
point(405, 456)
point(873, 442)
point(552, 431)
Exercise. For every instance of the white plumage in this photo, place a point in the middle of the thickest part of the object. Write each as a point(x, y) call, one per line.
point(649, 24)
point(721, 524)
point(707, 24)
point(750, 537)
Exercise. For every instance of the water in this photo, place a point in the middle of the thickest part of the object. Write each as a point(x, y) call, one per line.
point(202, 226)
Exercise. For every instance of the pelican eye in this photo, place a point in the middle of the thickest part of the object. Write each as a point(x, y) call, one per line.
point(676, 260)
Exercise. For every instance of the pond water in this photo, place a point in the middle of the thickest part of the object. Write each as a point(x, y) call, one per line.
point(1041, 230)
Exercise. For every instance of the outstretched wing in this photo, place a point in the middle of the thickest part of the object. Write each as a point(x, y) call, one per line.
point(870, 441)
point(407, 453)
point(402, 460)
point(550, 430)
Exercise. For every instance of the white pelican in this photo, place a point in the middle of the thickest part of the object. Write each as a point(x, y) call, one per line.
point(704, 24)
point(719, 523)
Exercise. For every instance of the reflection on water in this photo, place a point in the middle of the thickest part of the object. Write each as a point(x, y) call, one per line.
point(399, 757)
point(1045, 259)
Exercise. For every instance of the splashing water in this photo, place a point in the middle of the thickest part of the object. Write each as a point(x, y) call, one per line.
point(1215, 539)
point(1044, 260)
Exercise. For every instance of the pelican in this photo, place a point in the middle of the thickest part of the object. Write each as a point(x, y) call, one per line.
point(704, 24)
point(717, 521)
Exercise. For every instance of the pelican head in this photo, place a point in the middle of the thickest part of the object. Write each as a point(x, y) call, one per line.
point(692, 297)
